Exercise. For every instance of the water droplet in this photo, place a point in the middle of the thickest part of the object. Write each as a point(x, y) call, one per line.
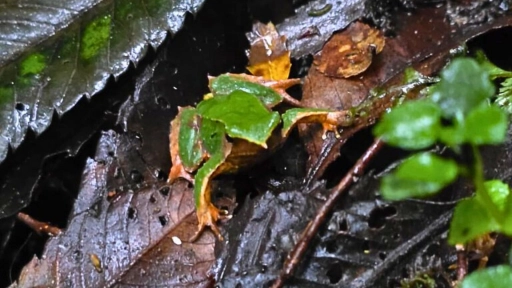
point(176, 240)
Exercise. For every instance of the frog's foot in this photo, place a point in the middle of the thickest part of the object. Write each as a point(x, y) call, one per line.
point(178, 171)
point(335, 119)
point(208, 215)
point(326, 127)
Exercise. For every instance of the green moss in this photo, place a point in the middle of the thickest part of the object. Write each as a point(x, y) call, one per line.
point(95, 37)
point(32, 65)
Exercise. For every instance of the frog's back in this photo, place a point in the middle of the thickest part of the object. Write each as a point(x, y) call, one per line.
point(245, 154)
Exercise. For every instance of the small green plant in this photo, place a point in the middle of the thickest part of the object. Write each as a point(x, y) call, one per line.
point(459, 113)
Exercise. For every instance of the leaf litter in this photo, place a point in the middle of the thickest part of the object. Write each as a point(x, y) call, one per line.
point(349, 227)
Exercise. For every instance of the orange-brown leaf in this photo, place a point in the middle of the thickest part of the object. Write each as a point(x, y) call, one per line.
point(268, 56)
point(350, 52)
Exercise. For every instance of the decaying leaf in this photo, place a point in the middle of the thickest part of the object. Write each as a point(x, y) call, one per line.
point(423, 45)
point(268, 56)
point(52, 53)
point(350, 52)
point(127, 240)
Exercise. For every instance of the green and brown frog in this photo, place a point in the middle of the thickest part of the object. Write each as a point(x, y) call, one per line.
point(233, 128)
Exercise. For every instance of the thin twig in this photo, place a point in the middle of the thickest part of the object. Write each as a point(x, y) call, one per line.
point(462, 262)
point(300, 248)
point(38, 226)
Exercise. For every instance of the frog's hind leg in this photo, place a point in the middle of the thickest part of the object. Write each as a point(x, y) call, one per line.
point(207, 213)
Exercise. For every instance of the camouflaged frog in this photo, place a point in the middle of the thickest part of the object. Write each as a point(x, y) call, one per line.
point(234, 128)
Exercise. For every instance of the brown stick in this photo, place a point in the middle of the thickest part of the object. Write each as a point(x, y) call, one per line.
point(38, 226)
point(300, 248)
point(462, 262)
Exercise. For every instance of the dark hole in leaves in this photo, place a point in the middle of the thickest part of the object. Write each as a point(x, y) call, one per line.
point(263, 269)
point(163, 220)
point(335, 273)
point(382, 255)
point(160, 174)
point(366, 246)
point(20, 106)
point(164, 191)
point(343, 225)
point(379, 215)
point(465, 231)
point(152, 199)
point(132, 213)
point(136, 176)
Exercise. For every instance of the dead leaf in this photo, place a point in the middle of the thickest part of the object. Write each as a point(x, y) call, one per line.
point(268, 56)
point(427, 48)
point(350, 52)
point(128, 240)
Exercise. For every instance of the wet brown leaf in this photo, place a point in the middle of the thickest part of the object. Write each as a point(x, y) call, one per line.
point(350, 52)
point(268, 56)
point(425, 47)
point(137, 238)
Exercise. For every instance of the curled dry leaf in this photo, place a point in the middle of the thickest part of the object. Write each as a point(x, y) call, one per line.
point(268, 56)
point(350, 52)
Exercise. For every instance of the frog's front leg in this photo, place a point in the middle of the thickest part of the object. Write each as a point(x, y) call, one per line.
point(184, 145)
point(207, 213)
point(329, 119)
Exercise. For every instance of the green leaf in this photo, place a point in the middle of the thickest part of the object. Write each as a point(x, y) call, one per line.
point(226, 84)
point(492, 277)
point(420, 175)
point(243, 114)
point(412, 125)
point(452, 135)
point(499, 193)
point(464, 85)
point(48, 65)
point(189, 146)
point(486, 125)
point(470, 219)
